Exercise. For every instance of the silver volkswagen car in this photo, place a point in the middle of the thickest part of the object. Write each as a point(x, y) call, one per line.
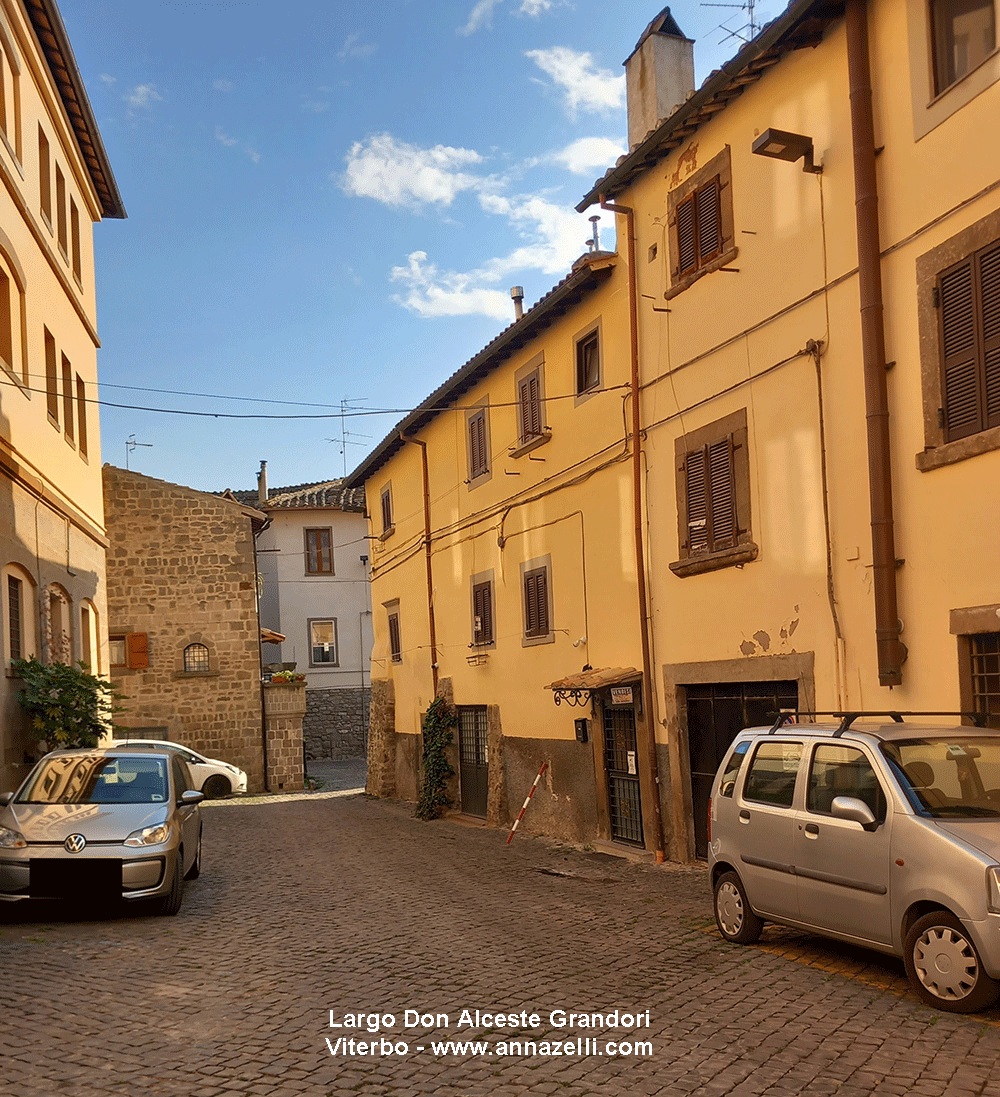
point(102, 824)
point(885, 835)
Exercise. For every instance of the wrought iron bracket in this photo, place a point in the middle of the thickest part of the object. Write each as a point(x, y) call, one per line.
point(574, 697)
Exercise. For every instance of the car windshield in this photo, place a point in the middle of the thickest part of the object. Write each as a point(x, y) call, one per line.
point(952, 777)
point(96, 779)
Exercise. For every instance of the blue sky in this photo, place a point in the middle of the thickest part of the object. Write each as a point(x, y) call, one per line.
point(329, 200)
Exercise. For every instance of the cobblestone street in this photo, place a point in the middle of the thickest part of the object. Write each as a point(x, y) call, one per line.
point(312, 909)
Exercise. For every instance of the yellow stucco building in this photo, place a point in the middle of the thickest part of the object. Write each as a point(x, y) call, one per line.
point(809, 254)
point(56, 183)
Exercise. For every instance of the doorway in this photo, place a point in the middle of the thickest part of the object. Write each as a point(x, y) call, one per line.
point(621, 764)
point(473, 759)
point(715, 714)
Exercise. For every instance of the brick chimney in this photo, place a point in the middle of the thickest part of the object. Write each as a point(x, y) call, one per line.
point(659, 76)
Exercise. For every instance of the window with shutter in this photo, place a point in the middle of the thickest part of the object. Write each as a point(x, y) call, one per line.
point(482, 613)
point(530, 407)
point(479, 444)
point(700, 222)
point(137, 650)
point(699, 228)
point(387, 522)
point(713, 497)
point(395, 648)
point(968, 299)
point(536, 603)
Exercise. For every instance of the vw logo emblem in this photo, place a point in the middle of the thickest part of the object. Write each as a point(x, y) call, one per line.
point(75, 843)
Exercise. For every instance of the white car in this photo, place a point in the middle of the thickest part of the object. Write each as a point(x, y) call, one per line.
point(214, 777)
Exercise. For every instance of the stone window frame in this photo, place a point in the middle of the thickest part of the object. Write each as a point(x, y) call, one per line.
point(335, 662)
point(483, 579)
point(719, 166)
point(579, 339)
point(965, 625)
point(744, 550)
point(393, 634)
point(181, 665)
point(938, 452)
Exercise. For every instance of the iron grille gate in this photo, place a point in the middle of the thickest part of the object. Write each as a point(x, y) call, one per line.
point(473, 762)
point(715, 715)
point(621, 763)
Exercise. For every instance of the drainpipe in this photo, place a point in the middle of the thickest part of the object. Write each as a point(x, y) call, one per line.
point(427, 556)
point(891, 652)
point(649, 723)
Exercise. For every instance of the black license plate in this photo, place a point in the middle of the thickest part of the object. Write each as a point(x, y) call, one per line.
point(58, 878)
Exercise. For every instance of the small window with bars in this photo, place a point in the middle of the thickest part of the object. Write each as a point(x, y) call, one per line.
point(14, 619)
point(482, 613)
point(196, 658)
point(984, 651)
point(479, 455)
point(967, 296)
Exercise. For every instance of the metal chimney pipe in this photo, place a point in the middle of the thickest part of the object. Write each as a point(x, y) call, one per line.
point(262, 483)
point(597, 235)
point(517, 296)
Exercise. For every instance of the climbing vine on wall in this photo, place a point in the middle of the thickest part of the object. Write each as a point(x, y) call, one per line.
point(438, 722)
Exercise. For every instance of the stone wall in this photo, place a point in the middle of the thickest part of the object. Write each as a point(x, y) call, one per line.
point(336, 723)
point(382, 739)
point(181, 571)
point(284, 708)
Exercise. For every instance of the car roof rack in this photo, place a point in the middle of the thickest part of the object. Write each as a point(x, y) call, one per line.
point(785, 717)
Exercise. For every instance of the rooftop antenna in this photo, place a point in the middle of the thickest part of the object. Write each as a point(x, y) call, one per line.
point(347, 436)
point(748, 30)
point(131, 444)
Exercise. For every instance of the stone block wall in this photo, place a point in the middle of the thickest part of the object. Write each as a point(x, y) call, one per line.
point(382, 739)
point(284, 708)
point(181, 570)
point(336, 723)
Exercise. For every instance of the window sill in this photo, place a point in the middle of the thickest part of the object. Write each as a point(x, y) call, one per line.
point(534, 641)
point(713, 561)
point(387, 533)
point(532, 443)
point(689, 279)
point(950, 452)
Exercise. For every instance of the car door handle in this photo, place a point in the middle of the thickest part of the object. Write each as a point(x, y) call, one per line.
point(812, 830)
point(744, 816)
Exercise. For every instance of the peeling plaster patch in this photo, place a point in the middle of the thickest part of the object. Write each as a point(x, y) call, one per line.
point(687, 163)
point(794, 625)
point(763, 639)
point(783, 634)
point(748, 647)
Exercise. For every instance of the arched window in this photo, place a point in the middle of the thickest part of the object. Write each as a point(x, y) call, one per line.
point(196, 657)
point(20, 613)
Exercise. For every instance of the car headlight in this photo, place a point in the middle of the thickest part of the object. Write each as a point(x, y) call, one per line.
point(993, 889)
point(149, 836)
point(11, 839)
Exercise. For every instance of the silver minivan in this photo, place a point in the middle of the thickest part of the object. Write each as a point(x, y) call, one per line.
point(885, 835)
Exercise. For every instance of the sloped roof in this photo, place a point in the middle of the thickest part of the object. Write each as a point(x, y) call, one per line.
point(54, 40)
point(588, 272)
point(327, 494)
point(800, 25)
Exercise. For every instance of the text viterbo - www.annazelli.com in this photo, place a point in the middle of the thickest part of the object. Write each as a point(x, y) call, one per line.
point(519, 1043)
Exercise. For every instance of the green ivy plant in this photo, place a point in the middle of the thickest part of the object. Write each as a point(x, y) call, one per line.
point(66, 706)
point(438, 722)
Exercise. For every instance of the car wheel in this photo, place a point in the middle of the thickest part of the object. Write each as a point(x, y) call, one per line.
point(736, 921)
point(195, 870)
point(216, 787)
point(171, 902)
point(944, 967)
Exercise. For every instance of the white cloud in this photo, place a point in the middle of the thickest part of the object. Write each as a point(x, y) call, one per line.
point(481, 16)
point(106, 79)
point(315, 106)
point(589, 154)
point(584, 86)
point(231, 142)
point(403, 175)
point(353, 47)
point(223, 85)
point(142, 97)
point(430, 292)
point(535, 8)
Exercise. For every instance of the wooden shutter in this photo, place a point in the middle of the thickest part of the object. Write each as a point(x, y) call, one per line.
point(478, 459)
point(962, 411)
point(395, 650)
point(697, 501)
point(709, 214)
point(536, 603)
point(530, 407)
point(687, 247)
point(989, 303)
point(386, 510)
point(710, 481)
point(482, 608)
point(137, 650)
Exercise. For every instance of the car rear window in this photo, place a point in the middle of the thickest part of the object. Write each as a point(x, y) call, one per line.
point(771, 779)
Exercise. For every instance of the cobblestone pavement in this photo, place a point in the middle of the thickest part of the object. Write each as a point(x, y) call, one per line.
point(313, 908)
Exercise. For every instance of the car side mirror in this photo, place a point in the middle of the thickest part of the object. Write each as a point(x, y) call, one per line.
point(850, 807)
point(5, 798)
point(191, 796)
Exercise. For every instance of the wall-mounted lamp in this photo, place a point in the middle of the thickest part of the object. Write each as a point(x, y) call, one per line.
point(786, 146)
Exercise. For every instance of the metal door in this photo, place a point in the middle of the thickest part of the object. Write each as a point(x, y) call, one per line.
point(473, 760)
point(715, 713)
point(621, 763)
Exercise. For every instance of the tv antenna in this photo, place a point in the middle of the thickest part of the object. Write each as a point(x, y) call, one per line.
point(131, 444)
point(347, 436)
point(748, 30)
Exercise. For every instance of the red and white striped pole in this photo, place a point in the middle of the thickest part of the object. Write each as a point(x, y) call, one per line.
point(527, 800)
